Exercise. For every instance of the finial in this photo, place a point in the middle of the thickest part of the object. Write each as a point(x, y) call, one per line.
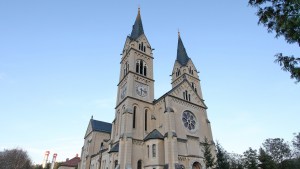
point(139, 8)
point(178, 33)
point(92, 117)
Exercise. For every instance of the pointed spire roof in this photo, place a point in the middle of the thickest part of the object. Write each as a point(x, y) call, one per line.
point(182, 56)
point(137, 28)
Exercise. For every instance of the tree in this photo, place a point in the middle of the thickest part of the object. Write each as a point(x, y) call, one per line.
point(250, 159)
point(222, 158)
point(15, 159)
point(283, 18)
point(235, 161)
point(296, 145)
point(266, 161)
point(277, 149)
point(208, 157)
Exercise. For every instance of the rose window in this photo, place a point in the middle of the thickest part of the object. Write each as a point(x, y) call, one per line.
point(189, 120)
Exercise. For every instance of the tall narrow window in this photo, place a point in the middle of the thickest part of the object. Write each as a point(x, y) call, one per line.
point(145, 70)
point(141, 66)
point(153, 150)
point(133, 120)
point(146, 120)
point(148, 150)
point(186, 95)
point(139, 164)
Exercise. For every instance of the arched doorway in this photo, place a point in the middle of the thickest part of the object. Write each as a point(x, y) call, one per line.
point(196, 165)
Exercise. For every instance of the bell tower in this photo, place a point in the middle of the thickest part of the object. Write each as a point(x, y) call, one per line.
point(136, 69)
point(185, 69)
point(135, 94)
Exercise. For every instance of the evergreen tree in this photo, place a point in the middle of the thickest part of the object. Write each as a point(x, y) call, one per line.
point(266, 161)
point(250, 159)
point(208, 157)
point(222, 158)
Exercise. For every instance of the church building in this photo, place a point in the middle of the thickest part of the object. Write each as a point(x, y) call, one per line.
point(147, 133)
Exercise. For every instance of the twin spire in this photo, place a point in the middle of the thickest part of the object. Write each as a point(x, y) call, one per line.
point(137, 30)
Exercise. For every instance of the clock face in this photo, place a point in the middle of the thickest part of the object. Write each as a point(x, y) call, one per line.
point(189, 120)
point(123, 92)
point(141, 89)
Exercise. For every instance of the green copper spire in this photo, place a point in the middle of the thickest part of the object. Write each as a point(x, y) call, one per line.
point(137, 28)
point(182, 56)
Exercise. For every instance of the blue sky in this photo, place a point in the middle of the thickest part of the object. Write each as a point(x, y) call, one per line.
point(59, 65)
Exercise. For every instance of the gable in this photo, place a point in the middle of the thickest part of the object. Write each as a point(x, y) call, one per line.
point(184, 91)
point(88, 130)
point(100, 126)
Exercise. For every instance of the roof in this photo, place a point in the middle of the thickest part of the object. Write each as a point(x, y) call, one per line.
point(137, 28)
point(155, 134)
point(101, 126)
point(115, 148)
point(71, 163)
point(182, 56)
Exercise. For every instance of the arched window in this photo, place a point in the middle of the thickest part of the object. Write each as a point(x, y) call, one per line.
point(141, 67)
point(186, 96)
point(146, 120)
point(177, 72)
point(153, 150)
point(126, 68)
point(139, 164)
point(133, 120)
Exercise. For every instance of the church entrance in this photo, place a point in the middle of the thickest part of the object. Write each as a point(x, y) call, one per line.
point(196, 165)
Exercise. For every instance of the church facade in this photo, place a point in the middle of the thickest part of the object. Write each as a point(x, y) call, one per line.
point(148, 133)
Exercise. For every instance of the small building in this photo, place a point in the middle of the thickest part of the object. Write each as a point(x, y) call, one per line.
point(70, 164)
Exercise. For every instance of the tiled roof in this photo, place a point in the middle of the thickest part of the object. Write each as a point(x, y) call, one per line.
point(71, 163)
point(115, 148)
point(155, 134)
point(101, 126)
point(182, 56)
point(137, 28)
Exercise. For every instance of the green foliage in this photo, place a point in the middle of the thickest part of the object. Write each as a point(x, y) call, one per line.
point(222, 158)
point(278, 149)
point(250, 159)
point(266, 161)
point(208, 157)
point(283, 18)
point(289, 64)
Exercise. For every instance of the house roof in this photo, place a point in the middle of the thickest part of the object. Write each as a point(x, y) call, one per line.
point(137, 28)
point(182, 56)
point(71, 163)
point(155, 134)
point(101, 126)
